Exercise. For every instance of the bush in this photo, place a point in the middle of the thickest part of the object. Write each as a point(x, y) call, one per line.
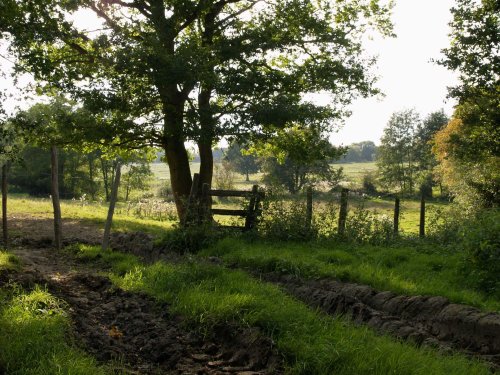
point(481, 247)
point(284, 219)
point(224, 176)
point(369, 183)
point(189, 240)
point(365, 226)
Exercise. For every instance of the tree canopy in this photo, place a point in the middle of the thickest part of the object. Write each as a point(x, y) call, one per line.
point(201, 69)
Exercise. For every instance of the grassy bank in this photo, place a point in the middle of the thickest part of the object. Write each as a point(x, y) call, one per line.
point(34, 333)
point(412, 270)
point(310, 342)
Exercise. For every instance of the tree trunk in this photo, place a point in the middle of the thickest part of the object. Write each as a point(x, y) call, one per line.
point(55, 198)
point(5, 168)
point(90, 159)
point(206, 163)
point(104, 168)
point(247, 177)
point(112, 204)
point(180, 173)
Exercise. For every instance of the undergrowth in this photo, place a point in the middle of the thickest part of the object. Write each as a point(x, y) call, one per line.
point(311, 342)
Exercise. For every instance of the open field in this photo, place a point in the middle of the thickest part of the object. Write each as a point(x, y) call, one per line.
point(353, 171)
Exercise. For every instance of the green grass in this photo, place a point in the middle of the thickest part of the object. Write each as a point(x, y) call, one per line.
point(311, 342)
point(34, 336)
point(94, 213)
point(8, 261)
point(413, 270)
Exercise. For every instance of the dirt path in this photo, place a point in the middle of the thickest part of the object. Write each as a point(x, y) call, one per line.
point(132, 329)
point(425, 320)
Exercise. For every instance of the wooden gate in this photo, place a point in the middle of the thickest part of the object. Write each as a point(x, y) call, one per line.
point(199, 205)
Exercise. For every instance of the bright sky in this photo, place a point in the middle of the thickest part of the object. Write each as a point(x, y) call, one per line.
point(407, 76)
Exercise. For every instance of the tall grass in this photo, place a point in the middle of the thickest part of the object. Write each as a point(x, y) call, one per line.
point(405, 269)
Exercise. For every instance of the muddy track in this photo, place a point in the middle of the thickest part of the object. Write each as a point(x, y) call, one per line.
point(425, 320)
point(132, 329)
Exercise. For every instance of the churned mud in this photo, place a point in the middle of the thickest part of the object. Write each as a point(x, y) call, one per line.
point(133, 330)
point(425, 320)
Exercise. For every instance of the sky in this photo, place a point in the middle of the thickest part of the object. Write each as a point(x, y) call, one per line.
point(407, 76)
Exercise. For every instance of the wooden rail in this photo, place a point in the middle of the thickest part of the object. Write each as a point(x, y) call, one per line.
point(199, 206)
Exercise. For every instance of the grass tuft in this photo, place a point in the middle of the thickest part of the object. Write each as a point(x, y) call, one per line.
point(33, 336)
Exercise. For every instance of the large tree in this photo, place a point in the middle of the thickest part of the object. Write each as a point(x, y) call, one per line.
point(397, 154)
point(299, 156)
point(204, 69)
point(244, 163)
point(469, 147)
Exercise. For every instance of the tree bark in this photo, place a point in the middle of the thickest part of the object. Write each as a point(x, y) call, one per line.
point(112, 204)
point(5, 168)
point(55, 198)
point(180, 173)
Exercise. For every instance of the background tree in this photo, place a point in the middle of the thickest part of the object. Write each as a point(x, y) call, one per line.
point(136, 177)
point(242, 162)
point(10, 146)
point(359, 152)
point(425, 158)
point(469, 147)
point(204, 69)
point(297, 157)
point(397, 153)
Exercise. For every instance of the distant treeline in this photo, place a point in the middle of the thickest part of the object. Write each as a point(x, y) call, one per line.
point(357, 153)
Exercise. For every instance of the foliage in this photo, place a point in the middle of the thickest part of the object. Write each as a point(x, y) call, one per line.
point(249, 65)
point(365, 226)
point(297, 157)
point(469, 148)
point(136, 177)
point(188, 240)
point(475, 182)
point(359, 152)
point(284, 220)
point(243, 162)
point(397, 152)
point(369, 182)
point(480, 242)
point(224, 176)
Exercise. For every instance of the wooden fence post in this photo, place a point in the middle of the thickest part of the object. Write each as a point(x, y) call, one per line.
point(422, 216)
point(309, 207)
point(205, 203)
point(396, 215)
point(5, 168)
point(55, 197)
point(343, 211)
point(192, 201)
point(254, 199)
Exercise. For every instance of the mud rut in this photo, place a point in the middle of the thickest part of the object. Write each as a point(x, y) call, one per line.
point(424, 320)
point(133, 331)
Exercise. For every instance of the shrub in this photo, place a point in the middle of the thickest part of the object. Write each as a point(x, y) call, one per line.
point(481, 247)
point(224, 176)
point(189, 240)
point(369, 183)
point(284, 219)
